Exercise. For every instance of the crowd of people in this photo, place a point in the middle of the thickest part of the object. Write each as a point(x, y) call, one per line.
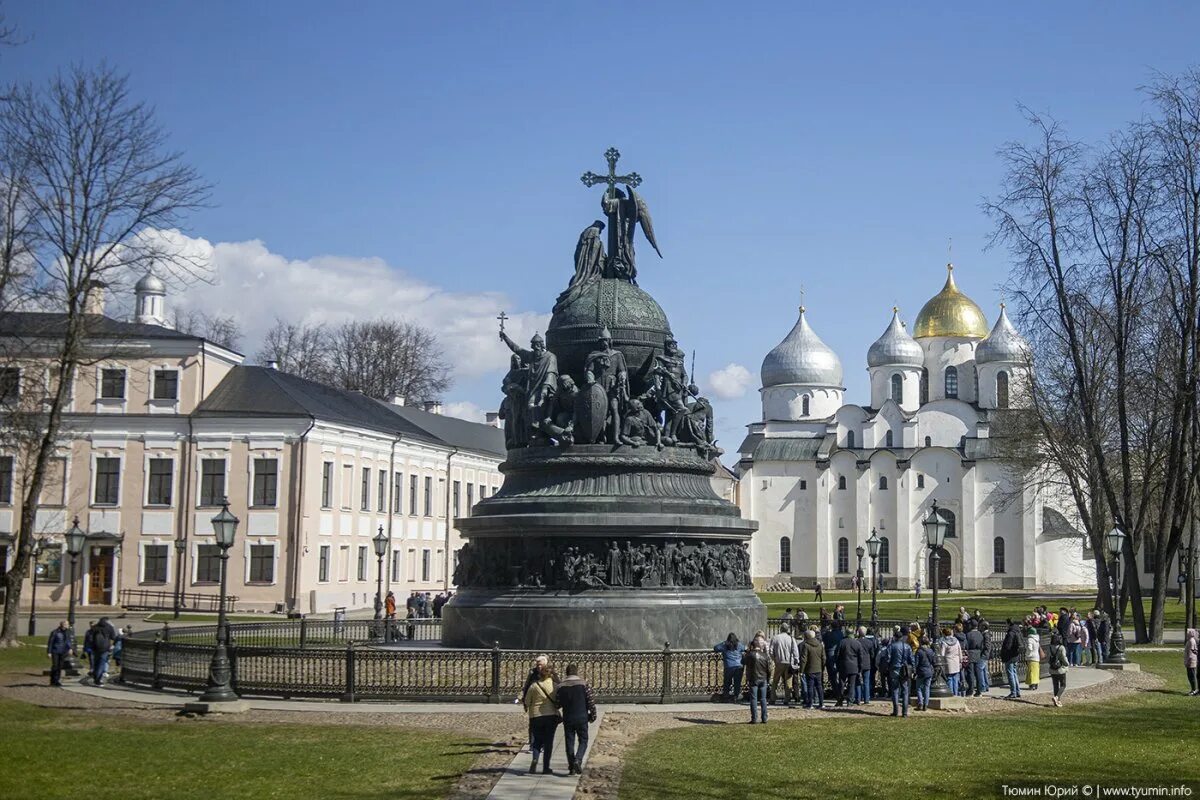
point(102, 644)
point(418, 605)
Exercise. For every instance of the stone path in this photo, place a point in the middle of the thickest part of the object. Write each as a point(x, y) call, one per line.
point(517, 784)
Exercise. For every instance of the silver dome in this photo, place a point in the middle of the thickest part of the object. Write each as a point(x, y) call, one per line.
point(802, 358)
point(150, 283)
point(896, 347)
point(1002, 344)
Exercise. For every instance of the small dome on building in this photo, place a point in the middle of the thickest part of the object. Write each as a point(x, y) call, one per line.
point(1002, 344)
point(802, 358)
point(895, 347)
point(950, 313)
point(150, 283)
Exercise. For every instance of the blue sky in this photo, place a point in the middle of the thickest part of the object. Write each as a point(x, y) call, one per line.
point(435, 149)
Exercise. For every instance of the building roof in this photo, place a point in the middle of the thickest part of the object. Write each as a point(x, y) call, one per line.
point(802, 358)
point(895, 347)
point(262, 391)
point(1002, 344)
point(950, 313)
point(38, 324)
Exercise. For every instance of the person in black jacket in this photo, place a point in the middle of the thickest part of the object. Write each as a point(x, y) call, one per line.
point(851, 656)
point(103, 636)
point(833, 637)
point(578, 709)
point(758, 676)
point(1010, 652)
point(58, 647)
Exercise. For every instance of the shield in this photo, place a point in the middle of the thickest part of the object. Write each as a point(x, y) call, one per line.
point(591, 412)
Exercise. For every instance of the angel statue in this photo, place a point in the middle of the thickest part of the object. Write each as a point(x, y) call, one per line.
point(625, 213)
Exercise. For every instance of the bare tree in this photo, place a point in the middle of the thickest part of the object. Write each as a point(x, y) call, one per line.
point(100, 181)
point(385, 358)
point(220, 329)
point(297, 348)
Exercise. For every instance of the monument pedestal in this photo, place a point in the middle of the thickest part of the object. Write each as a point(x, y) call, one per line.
point(1128, 666)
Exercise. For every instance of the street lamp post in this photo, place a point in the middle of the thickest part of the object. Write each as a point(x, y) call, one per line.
point(180, 546)
point(873, 545)
point(36, 552)
point(76, 541)
point(860, 552)
point(1115, 540)
point(935, 536)
point(381, 543)
point(219, 671)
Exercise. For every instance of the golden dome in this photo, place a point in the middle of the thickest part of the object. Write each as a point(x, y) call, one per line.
point(950, 313)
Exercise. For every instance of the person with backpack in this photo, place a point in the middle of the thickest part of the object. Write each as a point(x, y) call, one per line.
point(731, 651)
point(1033, 656)
point(900, 664)
point(578, 709)
point(926, 662)
point(757, 662)
point(812, 670)
point(103, 636)
point(1010, 652)
point(1058, 668)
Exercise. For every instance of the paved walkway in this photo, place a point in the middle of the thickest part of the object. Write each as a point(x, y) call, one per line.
point(518, 784)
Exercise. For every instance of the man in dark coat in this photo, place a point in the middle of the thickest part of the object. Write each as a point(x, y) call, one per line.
point(976, 640)
point(851, 656)
point(1010, 652)
point(866, 674)
point(103, 636)
point(578, 708)
point(833, 637)
point(58, 647)
point(1104, 631)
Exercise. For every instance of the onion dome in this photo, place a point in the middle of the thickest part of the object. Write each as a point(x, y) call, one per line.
point(1002, 344)
point(895, 347)
point(802, 358)
point(150, 283)
point(950, 313)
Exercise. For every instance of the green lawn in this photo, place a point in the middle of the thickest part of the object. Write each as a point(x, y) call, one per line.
point(1146, 739)
point(205, 759)
point(902, 605)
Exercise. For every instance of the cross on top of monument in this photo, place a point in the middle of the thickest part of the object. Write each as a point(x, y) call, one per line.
point(502, 318)
point(612, 155)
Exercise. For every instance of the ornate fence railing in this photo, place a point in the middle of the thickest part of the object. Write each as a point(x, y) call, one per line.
point(151, 600)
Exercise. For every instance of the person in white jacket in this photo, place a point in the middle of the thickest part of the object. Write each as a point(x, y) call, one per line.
point(785, 654)
point(1033, 656)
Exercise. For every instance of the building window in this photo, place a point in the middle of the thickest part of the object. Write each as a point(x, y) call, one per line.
point(425, 559)
point(885, 556)
point(108, 481)
point(997, 555)
point(428, 496)
point(470, 497)
point(381, 504)
point(166, 384)
point(412, 564)
point(112, 384)
point(397, 491)
point(365, 499)
point(262, 563)
point(161, 481)
point(49, 564)
point(850, 439)
point(208, 563)
point(412, 495)
point(323, 563)
point(841, 482)
point(362, 562)
point(347, 486)
point(929, 441)
point(888, 439)
point(457, 491)
point(950, 522)
point(483, 492)
point(883, 483)
point(898, 388)
point(395, 566)
point(6, 480)
point(1001, 390)
point(327, 485)
point(266, 481)
point(843, 555)
point(804, 406)
point(920, 480)
point(10, 384)
point(344, 563)
point(803, 484)
point(951, 382)
point(785, 554)
point(212, 481)
point(924, 386)
point(154, 563)
point(1149, 559)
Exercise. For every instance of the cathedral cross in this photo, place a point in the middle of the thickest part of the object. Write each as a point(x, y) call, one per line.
point(502, 317)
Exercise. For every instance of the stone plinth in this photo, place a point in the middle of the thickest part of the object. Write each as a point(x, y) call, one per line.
point(1129, 666)
point(948, 703)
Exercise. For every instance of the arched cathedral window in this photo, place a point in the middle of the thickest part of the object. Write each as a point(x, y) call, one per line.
point(888, 439)
point(804, 405)
point(785, 554)
point(952, 382)
point(841, 481)
point(997, 555)
point(1001, 390)
point(850, 439)
point(924, 386)
point(885, 556)
point(883, 483)
point(898, 388)
point(843, 555)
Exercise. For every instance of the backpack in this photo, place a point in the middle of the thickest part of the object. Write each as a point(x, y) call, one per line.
point(1056, 659)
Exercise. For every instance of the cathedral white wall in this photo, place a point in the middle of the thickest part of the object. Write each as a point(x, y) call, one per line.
point(772, 493)
point(1061, 565)
point(787, 402)
point(881, 386)
point(1018, 384)
point(950, 351)
point(945, 423)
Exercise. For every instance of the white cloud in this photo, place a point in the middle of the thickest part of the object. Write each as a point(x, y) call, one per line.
point(730, 381)
point(464, 409)
point(255, 286)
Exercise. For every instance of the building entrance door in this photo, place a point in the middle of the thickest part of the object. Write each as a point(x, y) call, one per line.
point(100, 577)
point(944, 568)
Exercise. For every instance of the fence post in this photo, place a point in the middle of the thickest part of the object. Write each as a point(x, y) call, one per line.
point(232, 650)
point(303, 632)
point(155, 666)
point(348, 696)
point(495, 695)
point(166, 632)
point(666, 674)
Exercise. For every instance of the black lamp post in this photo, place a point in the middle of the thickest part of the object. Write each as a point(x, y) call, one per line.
point(381, 543)
point(873, 545)
point(935, 536)
point(1115, 540)
point(76, 541)
point(860, 552)
point(180, 546)
point(219, 672)
point(36, 552)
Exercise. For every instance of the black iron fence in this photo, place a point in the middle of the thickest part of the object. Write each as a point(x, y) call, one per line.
point(148, 600)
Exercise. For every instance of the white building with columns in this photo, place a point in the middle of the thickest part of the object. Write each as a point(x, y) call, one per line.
point(819, 475)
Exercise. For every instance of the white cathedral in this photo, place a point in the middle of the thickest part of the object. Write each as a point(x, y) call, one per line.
point(819, 476)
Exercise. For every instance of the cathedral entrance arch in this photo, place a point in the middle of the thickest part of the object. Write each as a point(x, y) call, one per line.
point(945, 566)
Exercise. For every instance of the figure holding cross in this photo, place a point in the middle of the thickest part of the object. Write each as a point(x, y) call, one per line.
point(623, 213)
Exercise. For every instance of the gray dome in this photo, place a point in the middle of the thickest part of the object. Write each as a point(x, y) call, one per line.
point(1002, 344)
point(150, 283)
point(896, 347)
point(802, 358)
